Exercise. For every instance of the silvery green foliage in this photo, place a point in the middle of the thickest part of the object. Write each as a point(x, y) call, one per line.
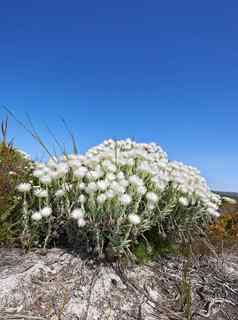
point(119, 190)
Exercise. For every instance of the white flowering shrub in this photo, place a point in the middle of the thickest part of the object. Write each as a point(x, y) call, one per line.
point(115, 194)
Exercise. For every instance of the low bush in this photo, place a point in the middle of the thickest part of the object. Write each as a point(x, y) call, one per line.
point(226, 227)
point(14, 168)
point(114, 197)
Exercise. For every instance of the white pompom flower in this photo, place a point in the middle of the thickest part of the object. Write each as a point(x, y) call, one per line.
point(152, 197)
point(80, 172)
point(110, 177)
point(141, 190)
point(24, 187)
point(82, 186)
point(120, 190)
point(124, 183)
point(102, 185)
point(183, 201)
point(114, 186)
point(62, 168)
point(38, 173)
point(101, 198)
point(120, 175)
point(36, 216)
point(77, 213)
point(81, 222)
point(54, 174)
point(12, 173)
point(125, 199)
point(151, 205)
point(213, 212)
point(137, 181)
point(45, 180)
point(134, 219)
point(41, 193)
point(91, 188)
point(60, 193)
point(82, 198)
point(110, 194)
point(46, 212)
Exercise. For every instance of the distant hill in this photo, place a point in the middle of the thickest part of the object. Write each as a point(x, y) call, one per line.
point(228, 207)
point(228, 194)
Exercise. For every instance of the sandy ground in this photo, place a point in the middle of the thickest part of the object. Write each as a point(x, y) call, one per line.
point(59, 285)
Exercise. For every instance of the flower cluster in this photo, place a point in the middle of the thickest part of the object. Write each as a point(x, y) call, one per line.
point(122, 187)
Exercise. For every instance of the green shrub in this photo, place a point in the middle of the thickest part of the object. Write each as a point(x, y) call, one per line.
point(152, 245)
point(14, 168)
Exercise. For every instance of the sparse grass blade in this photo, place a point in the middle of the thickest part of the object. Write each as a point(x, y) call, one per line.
point(74, 143)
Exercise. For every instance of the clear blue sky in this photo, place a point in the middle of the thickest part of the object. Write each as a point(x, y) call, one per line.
point(163, 71)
